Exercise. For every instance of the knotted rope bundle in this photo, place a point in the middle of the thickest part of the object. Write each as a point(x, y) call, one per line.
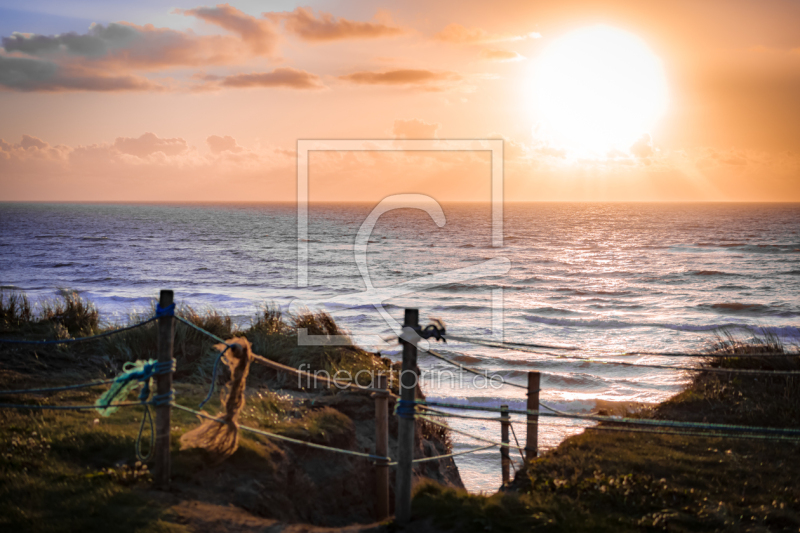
point(222, 439)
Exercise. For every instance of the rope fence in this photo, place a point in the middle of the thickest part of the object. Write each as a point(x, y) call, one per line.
point(407, 407)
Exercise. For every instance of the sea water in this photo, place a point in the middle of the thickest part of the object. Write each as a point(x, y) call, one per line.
point(608, 278)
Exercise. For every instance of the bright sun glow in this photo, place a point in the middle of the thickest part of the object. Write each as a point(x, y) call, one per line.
point(599, 88)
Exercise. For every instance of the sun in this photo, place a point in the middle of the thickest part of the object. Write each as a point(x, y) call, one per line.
point(598, 89)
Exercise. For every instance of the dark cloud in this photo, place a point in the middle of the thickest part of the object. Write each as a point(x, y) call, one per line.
point(26, 74)
point(128, 46)
point(98, 41)
point(150, 143)
point(410, 77)
point(305, 25)
point(219, 144)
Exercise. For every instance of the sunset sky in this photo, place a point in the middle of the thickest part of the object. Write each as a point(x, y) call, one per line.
point(596, 101)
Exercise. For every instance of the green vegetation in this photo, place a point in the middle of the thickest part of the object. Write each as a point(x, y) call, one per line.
point(75, 471)
point(621, 481)
point(271, 333)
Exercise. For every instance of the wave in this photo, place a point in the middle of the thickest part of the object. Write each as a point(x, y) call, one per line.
point(784, 331)
point(579, 292)
point(753, 248)
point(736, 308)
point(554, 311)
point(468, 359)
point(710, 273)
point(463, 288)
point(460, 307)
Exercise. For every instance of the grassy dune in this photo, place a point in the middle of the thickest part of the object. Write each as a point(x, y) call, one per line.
point(76, 471)
point(620, 481)
point(62, 471)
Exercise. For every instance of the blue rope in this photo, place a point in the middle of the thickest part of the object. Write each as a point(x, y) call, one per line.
point(214, 376)
point(163, 399)
point(404, 409)
point(138, 446)
point(198, 328)
point(216, 363)
point(165, 311)
point(80, 339)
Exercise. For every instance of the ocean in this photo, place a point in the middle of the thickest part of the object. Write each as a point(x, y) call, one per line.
point(607, 278)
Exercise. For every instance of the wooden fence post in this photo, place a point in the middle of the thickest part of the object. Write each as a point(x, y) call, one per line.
point(166, 330)
point(532, 445)
point(405, 437)
point(382, 447)
point(505, 462)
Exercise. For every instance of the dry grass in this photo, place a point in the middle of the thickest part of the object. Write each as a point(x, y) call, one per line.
point(15, 310)
point(77, 315)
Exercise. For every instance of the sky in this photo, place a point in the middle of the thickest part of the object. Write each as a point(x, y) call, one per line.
point(595, 101)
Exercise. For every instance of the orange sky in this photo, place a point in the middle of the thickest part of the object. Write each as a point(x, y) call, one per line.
point(207, 103)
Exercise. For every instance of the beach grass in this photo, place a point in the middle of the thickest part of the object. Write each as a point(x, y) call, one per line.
point(604, 480)
point(271, 333)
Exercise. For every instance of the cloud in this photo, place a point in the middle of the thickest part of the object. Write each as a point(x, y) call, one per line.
point(259, 34)
point(148, 144)
point(501, 55)
point(302, 23)
point(219, 144)
point(414, 129)
point(284, 77)
point(29, 142)
point(458, 34)
point(26, 74)
point(643, 147)
point(403, 77)
point(142, 168)
point(124, 46)
point(32, 149)
point(97, 42)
